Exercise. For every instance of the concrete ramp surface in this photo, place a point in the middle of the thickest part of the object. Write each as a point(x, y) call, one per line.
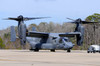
point(47, 58)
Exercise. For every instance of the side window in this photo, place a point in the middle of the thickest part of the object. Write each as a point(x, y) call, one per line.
point(54, 39)
point(60, 41)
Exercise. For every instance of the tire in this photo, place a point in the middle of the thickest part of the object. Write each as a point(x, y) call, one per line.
point(88, 51)
point(93, 51)
point(31, 49)
point(69, 50)
point(36, 50)
point(99, 51)
point(52, 50)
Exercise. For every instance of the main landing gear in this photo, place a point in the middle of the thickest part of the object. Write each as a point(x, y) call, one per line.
point(35, 50)
point(52, 50)
point(69, 50)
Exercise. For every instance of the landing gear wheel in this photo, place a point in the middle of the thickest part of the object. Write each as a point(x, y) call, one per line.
point(52, 50)
point(31, 49)
point(88, 51)
point(36, 50)
point(93, 51)
point(68, 50)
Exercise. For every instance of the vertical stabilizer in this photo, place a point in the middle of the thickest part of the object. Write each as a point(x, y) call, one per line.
point(13, 34)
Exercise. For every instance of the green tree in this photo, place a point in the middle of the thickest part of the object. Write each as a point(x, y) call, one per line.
point(31, 25)
point(7, 35)
point(1, 43)
point(51, 27)
point(95, 17)
point(92, 31)
point(42, 27)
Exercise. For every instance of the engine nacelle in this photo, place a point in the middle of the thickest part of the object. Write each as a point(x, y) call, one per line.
point(81, 36)
point(23, 34)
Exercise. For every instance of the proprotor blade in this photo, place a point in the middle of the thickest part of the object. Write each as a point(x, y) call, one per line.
point(10, 18)
point(21, 18)
point(26, 18)
point(70, 19)
point(85, 22)
point(81, 22)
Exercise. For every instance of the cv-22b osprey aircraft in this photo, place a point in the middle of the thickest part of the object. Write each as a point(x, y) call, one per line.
point(48, 41)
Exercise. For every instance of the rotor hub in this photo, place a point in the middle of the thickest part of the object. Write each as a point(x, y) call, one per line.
point(20, 18)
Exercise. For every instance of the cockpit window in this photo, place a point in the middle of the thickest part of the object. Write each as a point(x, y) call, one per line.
point(54, 38)
point(67, 40)
point(60, 41)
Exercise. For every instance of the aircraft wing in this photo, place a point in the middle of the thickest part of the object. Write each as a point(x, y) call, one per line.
point(43, 34)
point(70, 34)
point(37, 34)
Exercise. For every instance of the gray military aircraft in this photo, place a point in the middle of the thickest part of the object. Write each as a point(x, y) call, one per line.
point(48, 41)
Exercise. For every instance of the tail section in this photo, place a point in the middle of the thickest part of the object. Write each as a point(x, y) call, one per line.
point(13, 34)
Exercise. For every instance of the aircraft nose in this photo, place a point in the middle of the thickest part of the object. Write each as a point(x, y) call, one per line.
point(69, 45)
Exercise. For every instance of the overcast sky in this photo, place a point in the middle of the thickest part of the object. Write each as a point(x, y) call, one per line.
point(57, 9)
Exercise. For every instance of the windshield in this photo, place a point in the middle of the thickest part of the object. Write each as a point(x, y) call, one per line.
point(67, 40)
point(60, 41)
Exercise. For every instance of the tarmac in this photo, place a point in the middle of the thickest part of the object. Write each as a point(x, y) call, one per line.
point(47, 58)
